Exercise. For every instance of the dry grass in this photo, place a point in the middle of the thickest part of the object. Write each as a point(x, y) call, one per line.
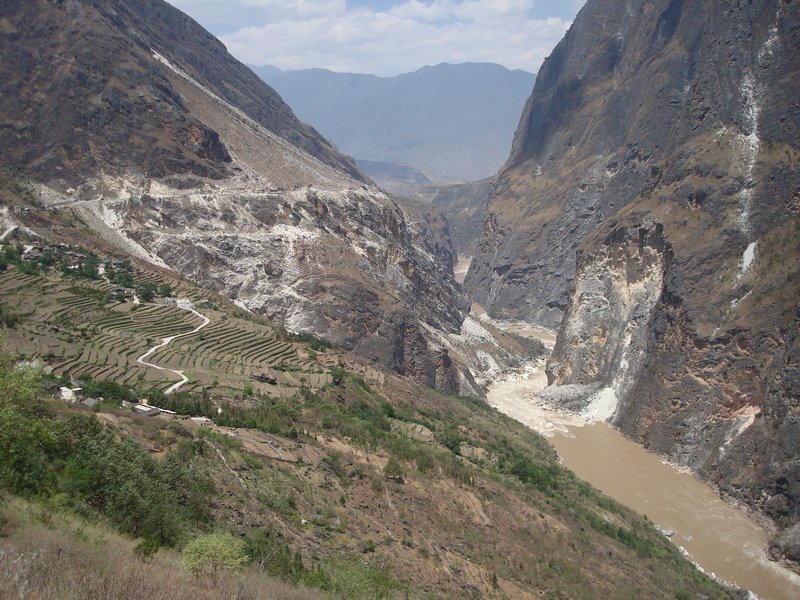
point(69, 561)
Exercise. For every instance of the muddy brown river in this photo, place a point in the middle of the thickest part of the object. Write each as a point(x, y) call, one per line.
point(721, 539)
point(461, 267)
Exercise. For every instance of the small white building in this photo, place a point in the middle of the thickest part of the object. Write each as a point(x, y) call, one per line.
point(145, 410)
point(69, 394)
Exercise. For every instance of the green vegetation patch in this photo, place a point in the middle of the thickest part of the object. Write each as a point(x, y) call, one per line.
point(82, 464)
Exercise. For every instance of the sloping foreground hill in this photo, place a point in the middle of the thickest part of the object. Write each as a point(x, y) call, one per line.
point(362, 490)
point(369, 498)
point(651, 199)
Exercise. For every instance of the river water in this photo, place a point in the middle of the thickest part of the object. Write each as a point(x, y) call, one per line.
point(461, 267)
point(721, 539)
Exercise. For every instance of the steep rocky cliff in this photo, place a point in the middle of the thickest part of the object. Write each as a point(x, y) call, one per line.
point(652, 199)
point(601, 345)
point(464, 205)
point(133, 116)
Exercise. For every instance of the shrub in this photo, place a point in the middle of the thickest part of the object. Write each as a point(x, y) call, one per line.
point(273, 555)
point(393, 470)
point(451, 440)
point(424, 462)
point(351, 579)
point(214, 553)
point(337, 374)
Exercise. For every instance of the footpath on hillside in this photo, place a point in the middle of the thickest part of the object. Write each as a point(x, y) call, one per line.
point(167, 340)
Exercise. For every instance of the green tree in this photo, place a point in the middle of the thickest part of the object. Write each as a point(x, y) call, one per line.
point(26, 445)
point(19, 386)
point(122, 278)
point(393, 470)
point(88, 269)
point(213, 553)
point(146, 292)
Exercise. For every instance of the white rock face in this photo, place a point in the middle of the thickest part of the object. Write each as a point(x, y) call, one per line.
point(748, 257)
point(604, 333)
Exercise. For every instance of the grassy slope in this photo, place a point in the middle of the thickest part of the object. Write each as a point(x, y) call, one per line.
point(48, 554)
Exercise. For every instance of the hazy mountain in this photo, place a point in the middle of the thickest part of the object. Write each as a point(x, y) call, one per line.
point(451, 121)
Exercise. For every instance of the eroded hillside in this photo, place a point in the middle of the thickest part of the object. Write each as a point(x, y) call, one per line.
point(317, 468)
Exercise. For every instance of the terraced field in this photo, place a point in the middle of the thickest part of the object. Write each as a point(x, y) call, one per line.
point(72, 326)
point(231, 348)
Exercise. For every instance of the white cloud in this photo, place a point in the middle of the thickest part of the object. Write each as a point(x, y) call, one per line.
point(385, 38)
point(297, 8)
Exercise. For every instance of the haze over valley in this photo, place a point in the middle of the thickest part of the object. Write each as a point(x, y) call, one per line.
point(448, 123)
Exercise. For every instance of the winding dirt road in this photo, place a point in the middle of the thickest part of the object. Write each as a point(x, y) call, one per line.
point(167, 340)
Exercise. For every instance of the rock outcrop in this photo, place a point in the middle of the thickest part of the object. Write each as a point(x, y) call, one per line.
point(652, 200)
point(609, 316)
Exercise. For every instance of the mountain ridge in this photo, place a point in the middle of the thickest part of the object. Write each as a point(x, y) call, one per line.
point(111, 102)
point(177, 153)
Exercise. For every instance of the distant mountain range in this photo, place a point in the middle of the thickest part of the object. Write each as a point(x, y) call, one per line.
point(449, 122)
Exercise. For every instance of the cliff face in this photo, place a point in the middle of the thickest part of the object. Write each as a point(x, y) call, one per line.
point(133, 116)
point(599, 349)
point(464, 205)
point(637, 97)
point(652, 200)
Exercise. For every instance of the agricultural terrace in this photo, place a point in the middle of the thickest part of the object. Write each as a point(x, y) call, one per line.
point(77, 326)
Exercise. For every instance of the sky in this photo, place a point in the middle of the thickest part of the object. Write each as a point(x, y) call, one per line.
point(385, 37)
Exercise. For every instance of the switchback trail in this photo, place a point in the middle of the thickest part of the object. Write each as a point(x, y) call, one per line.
point(167, 340)
point(7, 232)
